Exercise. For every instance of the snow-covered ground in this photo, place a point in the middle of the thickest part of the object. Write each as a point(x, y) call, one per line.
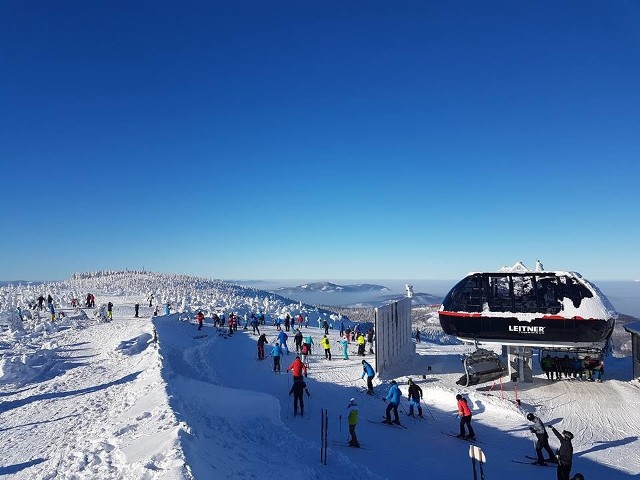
point(87, 399)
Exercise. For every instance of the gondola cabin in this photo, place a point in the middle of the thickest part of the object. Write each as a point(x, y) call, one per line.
point(538, 309)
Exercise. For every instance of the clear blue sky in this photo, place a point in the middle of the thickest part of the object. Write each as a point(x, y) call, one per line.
point(324, 140)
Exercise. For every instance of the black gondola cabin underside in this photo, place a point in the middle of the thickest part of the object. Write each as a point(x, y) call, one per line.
point(546, 330)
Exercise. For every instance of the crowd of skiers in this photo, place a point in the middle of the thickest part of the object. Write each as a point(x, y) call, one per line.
point(300, 366)
point(586, 368)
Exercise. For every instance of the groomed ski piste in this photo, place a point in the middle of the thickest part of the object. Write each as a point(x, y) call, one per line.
point(83, 398)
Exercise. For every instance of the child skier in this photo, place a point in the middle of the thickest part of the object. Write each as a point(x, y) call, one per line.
point(353, 421)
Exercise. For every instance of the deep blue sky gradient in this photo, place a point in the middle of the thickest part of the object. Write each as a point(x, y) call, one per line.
point(322, 140)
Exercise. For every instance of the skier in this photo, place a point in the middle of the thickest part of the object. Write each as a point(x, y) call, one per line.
point(304, 351)
point(345, 350)
point(370, 339)
point(368, 370)
point(167, 308)
point(326, 344)
point(543, 439)
point(262, 339)
point(276, 351)
point(230, 323)
point(287, 322)
point(151, 300)
point(353, 421)
point(415, 395)
point(136, 308)
point(297, 367)
point(52, 310)
point(308, 341)
point(564, 454)
point(296, 390)
point(325, 325)
point(254, 324)
point(417, 336)
point(88, 302)
point(200, 318)
point(360, 341)
point(282, 337)
point(393, 397)
point(464, 412)
point(297, 338)
point(110, 311)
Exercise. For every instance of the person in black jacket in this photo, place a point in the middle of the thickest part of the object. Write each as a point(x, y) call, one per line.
point(415, 395)
point(564, 454)
point(296, 389)
point(262, 339)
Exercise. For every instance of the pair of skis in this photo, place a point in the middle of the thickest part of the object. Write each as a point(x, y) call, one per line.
point(384, 422)
point(466, 439)
point(535, 462)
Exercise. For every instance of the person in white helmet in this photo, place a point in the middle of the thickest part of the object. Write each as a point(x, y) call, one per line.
point(353, 421)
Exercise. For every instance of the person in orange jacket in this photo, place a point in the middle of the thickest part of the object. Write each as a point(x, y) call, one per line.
point(297, 367)
point(464, 412)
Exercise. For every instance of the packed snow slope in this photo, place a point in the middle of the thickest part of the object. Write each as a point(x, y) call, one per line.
point(151, 398)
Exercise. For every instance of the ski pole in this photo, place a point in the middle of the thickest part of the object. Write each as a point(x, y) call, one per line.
point(429, 410)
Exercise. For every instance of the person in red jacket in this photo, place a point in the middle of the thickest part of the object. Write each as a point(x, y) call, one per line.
point(464, 412)
point(200, 318)
point(297, 367)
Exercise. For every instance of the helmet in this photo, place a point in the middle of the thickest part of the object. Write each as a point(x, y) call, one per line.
point(410, 381)
point(578, 476)
point(363, 362)
point(353, 402)
point(567, 434)
point(530, 417)
point(458, 397)
point(393, 382)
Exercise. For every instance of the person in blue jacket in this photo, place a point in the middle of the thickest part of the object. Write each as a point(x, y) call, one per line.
point(393, 399)
point(368, 370)
point(276, 351)
point(345, 348)
point(282, 338)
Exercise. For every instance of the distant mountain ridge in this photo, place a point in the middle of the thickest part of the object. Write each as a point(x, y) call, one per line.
point(330, 287)
point(418, 300)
